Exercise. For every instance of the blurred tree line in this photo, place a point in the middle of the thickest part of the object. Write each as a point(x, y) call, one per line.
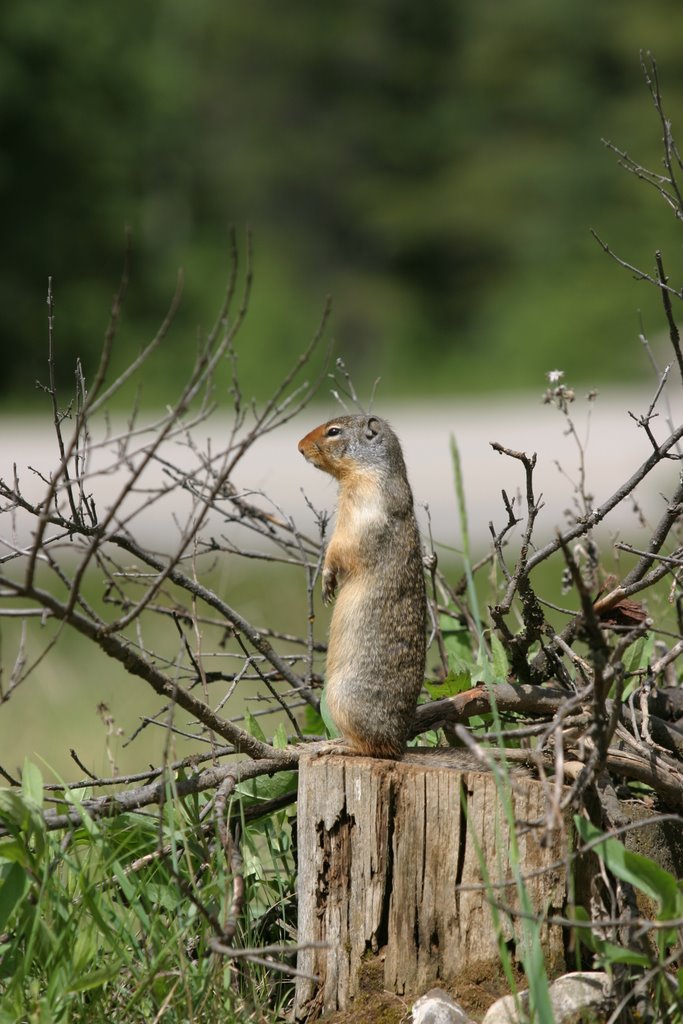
point(435, 166)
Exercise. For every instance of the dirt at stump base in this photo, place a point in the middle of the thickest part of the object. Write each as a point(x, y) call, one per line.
point(474, 991)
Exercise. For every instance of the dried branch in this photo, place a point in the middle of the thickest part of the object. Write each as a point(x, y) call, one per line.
point(640, 275)
point(600, 513)
point(649, 66)
point(519, 644)
point(674, 335)
point(155, 792)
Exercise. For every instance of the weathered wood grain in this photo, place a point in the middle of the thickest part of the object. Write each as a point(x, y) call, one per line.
point(387, 853)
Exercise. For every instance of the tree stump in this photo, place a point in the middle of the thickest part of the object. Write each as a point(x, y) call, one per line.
point(386, 852)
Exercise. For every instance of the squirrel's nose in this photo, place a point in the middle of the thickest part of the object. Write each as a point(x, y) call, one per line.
point(300, 446)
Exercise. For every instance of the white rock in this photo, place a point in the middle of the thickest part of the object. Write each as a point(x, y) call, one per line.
point(570, 996)
point(437, 1007)
point(508, 1010)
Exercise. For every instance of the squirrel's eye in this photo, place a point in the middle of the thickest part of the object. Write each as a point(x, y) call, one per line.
point(333, 432)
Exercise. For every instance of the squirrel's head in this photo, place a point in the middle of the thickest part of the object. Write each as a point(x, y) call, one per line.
point(352, 444)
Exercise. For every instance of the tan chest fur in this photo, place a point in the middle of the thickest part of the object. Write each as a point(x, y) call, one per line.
point(360, 515)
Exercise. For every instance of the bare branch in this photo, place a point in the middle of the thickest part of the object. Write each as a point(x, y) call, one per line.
point(155, 792)
point(674, 334)
point(610, 503)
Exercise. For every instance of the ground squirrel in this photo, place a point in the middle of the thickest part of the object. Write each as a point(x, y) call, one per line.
point(376, 652)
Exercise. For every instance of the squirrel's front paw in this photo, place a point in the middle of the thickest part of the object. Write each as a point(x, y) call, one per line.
point(329, 585)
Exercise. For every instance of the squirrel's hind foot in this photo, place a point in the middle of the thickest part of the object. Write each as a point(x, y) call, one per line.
point(323, 748)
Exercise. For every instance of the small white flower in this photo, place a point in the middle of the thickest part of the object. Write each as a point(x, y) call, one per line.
point(555, 376)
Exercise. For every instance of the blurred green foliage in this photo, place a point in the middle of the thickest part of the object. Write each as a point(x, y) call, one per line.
point(434, 166)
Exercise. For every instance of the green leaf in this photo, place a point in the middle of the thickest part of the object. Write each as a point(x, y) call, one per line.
point(85, 947)
point(426, 739)
point(94, 979)
point(14, 851)
point(635, 868)
point(21, 814)
point(608, 952)
point(476, 722)
point(280, 739)
point(76, 796)
point(313, 724)
point(501, 665)
point(13, 809)
point(458, 645)
point(165, 896)
point(253, 727)
point(268, 788)
point(534, 967)
point(637, 655)
point(455, 682)
point(32, 783)
point(130, 893)
point(326, 716)
point(636, 658)
point(12, 889)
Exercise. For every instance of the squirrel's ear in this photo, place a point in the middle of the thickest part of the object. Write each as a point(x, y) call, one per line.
point(372, 428)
